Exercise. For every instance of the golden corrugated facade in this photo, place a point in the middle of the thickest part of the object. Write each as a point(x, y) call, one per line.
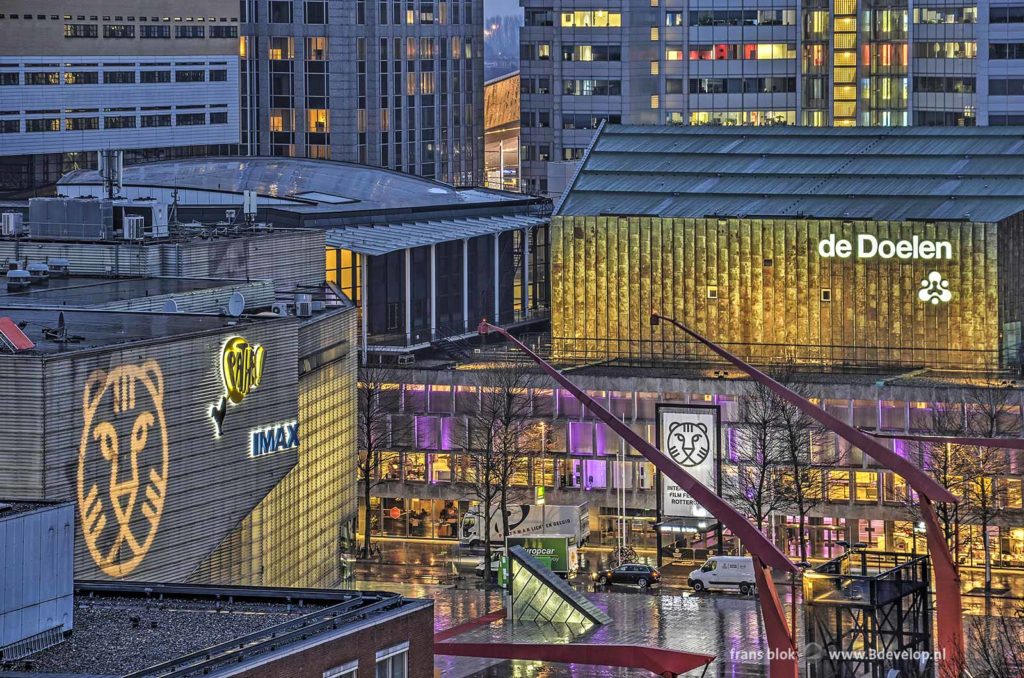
point(762, 288)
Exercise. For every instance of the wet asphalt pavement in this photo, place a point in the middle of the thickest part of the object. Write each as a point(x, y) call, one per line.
point(669, 616)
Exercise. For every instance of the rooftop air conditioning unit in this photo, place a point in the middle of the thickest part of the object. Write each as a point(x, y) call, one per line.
point(59, 267)
point(303, 305)
point(134, 227)
point(282, 307)
point(12, 224)
point(18, 280)
point(38, 272)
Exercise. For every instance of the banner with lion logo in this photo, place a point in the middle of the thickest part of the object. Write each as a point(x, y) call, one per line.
point(689, 436)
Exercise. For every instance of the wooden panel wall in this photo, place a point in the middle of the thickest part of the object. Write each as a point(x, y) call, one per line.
point(610, 273)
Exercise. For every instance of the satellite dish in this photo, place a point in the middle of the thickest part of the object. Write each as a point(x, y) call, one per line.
point(170, 306)
point(236, 304)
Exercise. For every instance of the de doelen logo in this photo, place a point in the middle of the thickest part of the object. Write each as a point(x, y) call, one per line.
point(241, 367)
point(688, 443)
point(122, 464)
point(934, 288)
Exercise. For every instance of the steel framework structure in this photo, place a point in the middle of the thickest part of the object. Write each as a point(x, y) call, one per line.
point(948, 603)
point(783, 657)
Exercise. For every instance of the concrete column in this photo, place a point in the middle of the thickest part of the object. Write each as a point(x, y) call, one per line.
point(497, 277)
point(433, 292)
point(408, 296)
point(465, 284)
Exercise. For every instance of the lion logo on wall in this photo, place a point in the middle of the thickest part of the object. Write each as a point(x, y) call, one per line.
point(688, 443)
point(122, 464)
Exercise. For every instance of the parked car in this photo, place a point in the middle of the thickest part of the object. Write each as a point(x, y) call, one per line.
point(631, 573)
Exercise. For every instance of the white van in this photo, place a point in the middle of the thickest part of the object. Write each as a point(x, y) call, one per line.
point(724, 573)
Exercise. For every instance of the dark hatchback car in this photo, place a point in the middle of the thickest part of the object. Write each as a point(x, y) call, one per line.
point(639, 575)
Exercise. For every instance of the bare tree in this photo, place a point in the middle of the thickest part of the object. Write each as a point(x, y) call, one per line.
point(378, 400)
point(989, 413)
point(944, 463)
point(995, 645)
point(972, 472)
point(754, 483)
point(803, 486)
point(500, 439)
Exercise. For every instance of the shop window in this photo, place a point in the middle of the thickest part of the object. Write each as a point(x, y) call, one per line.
point(440, 398)
point(415, 466)
point(839, 486)
point(894, 489)
point(866, 484)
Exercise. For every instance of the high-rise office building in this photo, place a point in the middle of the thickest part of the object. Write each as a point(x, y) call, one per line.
point(394, 83)
point(760, 62)
point(153, 77)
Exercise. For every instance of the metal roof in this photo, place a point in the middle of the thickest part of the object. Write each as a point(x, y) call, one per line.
point(308, 185)
point(958, 173)
point(376, 240)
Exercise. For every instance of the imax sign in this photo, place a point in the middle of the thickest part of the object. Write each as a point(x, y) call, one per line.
point(869, 247)
point(276, 438)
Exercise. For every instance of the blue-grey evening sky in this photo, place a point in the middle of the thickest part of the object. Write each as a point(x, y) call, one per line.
point(501, 7)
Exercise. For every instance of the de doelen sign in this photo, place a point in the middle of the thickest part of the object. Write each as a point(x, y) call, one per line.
point(867, 246)
point(934, 289)
point(241, 368)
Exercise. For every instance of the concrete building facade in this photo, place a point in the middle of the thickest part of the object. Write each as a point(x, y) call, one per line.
point(79, 77)
point(392, 84)
point(772, 62)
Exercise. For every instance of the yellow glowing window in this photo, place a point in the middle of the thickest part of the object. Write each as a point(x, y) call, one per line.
point(838, 485)
point(845, 41)
point(844, 109)
point(654, 67)
point(654, 32)
point(845, 93)
point(591, 19)
point(846, 58)
point(866, 483)
point(819, 22)
point(243, 47)
point(655, 102)
point(316, 49)
point(282, 48)
point(282, 120)
point(846, 25)
point(319, 121)
point(845, 6)
point(674, 55)
point(844, 75)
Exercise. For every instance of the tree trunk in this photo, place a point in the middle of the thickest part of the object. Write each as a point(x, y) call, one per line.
point(367, 518)
point(988, 555)
point(485, 511)
point(802, 536)
point(503, 507)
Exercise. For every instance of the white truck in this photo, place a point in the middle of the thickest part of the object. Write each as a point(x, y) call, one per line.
point(724, 573)
point(526, 520)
